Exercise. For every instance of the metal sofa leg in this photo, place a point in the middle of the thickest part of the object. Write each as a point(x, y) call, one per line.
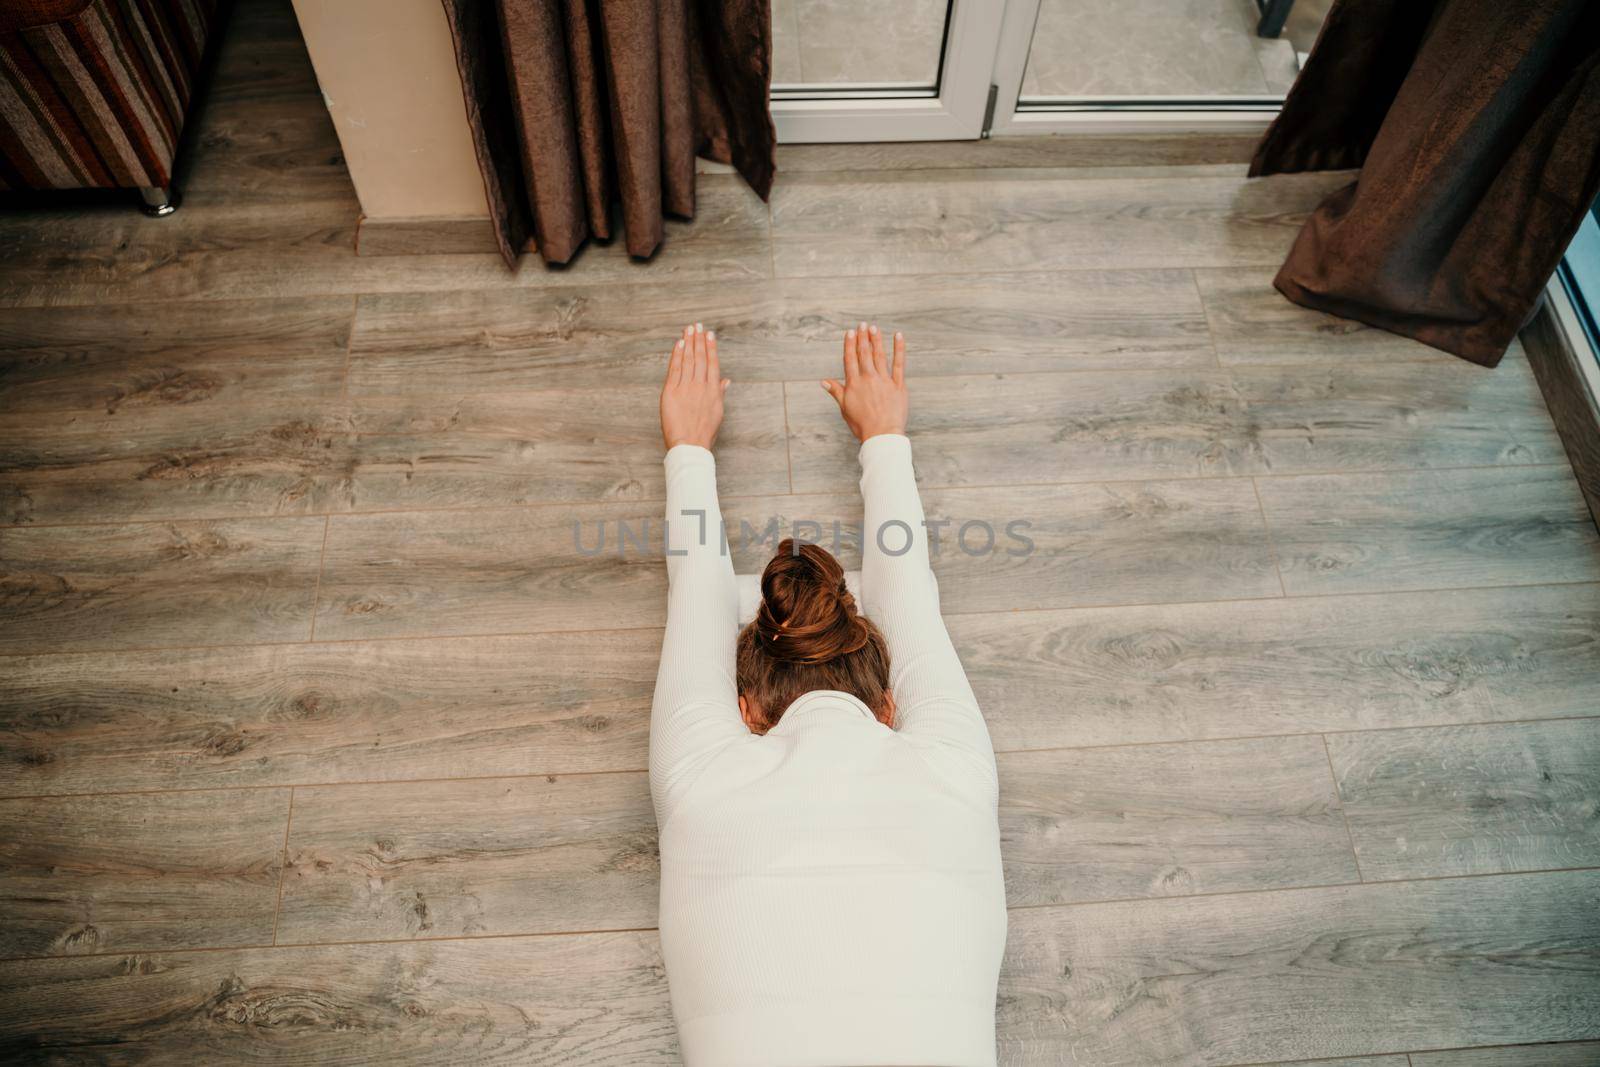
point(159, 202)
point(1274, 13)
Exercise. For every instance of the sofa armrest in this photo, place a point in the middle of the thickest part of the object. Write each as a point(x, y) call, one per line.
point(26, 14)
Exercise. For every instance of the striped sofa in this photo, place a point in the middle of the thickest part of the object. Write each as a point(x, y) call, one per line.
point(94, 93)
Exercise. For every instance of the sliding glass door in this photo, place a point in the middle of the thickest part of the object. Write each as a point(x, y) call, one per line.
point(823, 47)
point(1579, 278)
point(1150, 65)
point(955, 69)
point(891, 70)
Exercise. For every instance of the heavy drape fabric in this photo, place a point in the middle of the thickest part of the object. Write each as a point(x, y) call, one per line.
point(579, 105)
point(1476, 125)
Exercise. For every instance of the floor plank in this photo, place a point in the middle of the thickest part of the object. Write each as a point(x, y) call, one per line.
point(118, 874)
point(1105, 676)
point(1253, 323)
point(493, 571)
point(249, 134)
point(1016, 429)
point(344, 712)
point(188, 410)
point(489, 340)
point(593, 999)
point(446, 859)
point(1170, 820)
point(1083, 313)
point(560, 703)
point(1296, 973)
point(1574, 1054)
point(145, 585)
point(1439, 529)
point(126, 360)
point(929, 222)
point(1105, 970)
point(1471, 799)
point(307, 451)
point(474, 449)
point(237, 251)
point(1030, 150)
point(544, 854)
point(538, 569)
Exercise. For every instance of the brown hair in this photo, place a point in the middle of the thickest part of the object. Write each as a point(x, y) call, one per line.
point(808, 635)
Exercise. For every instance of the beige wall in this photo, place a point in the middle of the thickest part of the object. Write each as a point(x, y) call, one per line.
point(388, 74)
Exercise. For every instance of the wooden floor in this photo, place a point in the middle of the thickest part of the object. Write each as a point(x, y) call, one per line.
point(321, 743)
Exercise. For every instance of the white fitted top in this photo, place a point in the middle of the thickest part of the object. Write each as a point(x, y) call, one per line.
point(831, 892)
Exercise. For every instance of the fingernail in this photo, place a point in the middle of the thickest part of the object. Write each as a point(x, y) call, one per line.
point(699, 327)
point(711, 335)
point(850, 335)
point(874, 329)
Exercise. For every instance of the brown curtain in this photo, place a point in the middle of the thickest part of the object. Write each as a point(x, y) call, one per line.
point(1476, 125)
point(579, 105)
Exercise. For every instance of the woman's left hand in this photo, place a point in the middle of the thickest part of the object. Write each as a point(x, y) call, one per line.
point(691, 397)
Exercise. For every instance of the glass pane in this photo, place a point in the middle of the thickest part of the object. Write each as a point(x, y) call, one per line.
point(1165, 48)
point(1580, 272)
point(836, 43)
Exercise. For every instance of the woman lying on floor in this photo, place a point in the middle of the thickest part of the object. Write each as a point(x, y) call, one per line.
point(824, 784)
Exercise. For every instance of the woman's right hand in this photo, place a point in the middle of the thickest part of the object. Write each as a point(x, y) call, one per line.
point(872, 398)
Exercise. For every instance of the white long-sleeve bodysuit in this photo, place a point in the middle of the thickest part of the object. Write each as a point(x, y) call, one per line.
point(831, 892)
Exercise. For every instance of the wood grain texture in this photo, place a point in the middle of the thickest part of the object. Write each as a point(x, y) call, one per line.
point(1472, 799)
point(586, 337)
point(348, 712)
point(1253, 323)
point(476, 449)
point(1289, 974)
point(1573, 1054)
point(127, 360)
point(249, 135)
point(448, 859)
point(594, 999)
point(1438, 529)
point(926, 222)
point(465, 730)
point(546, 568)
point(303, 450)
point(144, 585)
point(1170, 820)
point(1016, 429)
point(117, 874)
point(557, 703)
point(493, 571)
point(1574, 408)
point(1105, 676)
point(1126, 150)
point(433, 235)
point(237, 251)
point(183, 411)
point(549, 853)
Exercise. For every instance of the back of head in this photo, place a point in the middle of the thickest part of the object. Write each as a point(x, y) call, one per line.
point(808, 635)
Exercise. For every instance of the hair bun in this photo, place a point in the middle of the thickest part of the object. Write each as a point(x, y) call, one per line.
point(807, 614)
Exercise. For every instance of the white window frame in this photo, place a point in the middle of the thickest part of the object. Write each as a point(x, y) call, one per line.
point(1109, 114)
point(986, 52)
point(954, 113)
point(1582, 262)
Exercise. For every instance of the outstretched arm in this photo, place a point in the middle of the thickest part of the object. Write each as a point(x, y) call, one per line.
point(695, 712)
point(934, 704)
